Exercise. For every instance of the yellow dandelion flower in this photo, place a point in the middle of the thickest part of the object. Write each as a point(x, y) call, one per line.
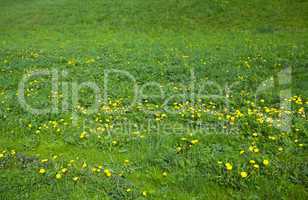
point(84, 165)
point(195, 141)
point(64, 170)
point(126, 162)
point(144, 193)
point(42, 171)
point(265, 162)
point(58, 176)
point(252, 162)
point(107, 172)
point(165, 174)
point(242, 152)
point(83, 135)
point(13, 152)
point(244, 174)
point(228, 166)
point(256, 166)
point(251, 148)
point(94, 169)
point(76, 178)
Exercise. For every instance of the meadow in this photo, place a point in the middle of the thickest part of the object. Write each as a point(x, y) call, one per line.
point(174, 99)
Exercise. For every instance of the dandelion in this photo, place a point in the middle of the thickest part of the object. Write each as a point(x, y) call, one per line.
point(13, 152)
point(251, 148)
point(126, 162)
point(44, 160)
point(72, 62)
point(242, 152)
point(94, 169)
point(107, 172)
point(128, 190)
point(144, 193)
point(84, 165)
point(83, 135)
point(243, 174)
point(165, 174)
point(300, 145)
point(256, 166)
point(1, 155)
point(265, 162)
point(42, 171)
point(64, 170)
point(252, 162)
point(76, 178)
point(58, 176)
point(228, 166)
point(194, 141)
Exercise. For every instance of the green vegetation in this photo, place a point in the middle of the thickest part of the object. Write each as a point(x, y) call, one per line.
point(212, 133)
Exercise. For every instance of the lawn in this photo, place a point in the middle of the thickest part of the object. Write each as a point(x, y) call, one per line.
point(174, 99)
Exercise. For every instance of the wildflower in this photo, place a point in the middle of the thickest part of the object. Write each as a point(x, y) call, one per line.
point(94, 169)
point(242, 152)
point(44, 160)
point(42, 171)
point(255, 134)
point(64, 170)
point(13, 152)
point(144, 193)
point(84, 165)
point(256, 150)
point(228, 166)
point(251, 148)
point(265, 162)
point(252, 162)
point(194, 141)
point(280, 149)
point(58, 176)
point(1, 155)
point(256, 166)
point(165, 174)
point(107, 172)
point(76, 178)
point(300, 145)
point(83, 135)
point(244, 174)
point(128, 190)
point(126, 162)
point(72, 62)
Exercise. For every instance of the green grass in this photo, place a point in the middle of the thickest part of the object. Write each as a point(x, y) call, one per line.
point(162, 42)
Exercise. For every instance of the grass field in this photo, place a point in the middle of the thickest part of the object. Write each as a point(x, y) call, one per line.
point(173, 99)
